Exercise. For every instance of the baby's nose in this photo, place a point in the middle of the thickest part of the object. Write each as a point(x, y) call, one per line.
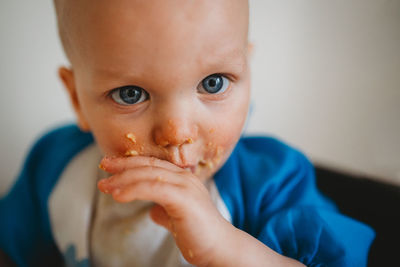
point(175, 132)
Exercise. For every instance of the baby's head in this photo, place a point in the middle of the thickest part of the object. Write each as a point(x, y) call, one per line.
point(167, 79)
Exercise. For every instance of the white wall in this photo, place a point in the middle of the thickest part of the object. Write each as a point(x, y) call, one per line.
point(326, 79)
point(32, 99)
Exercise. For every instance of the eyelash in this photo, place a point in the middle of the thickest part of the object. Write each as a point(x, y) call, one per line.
point(225, 84)
point(140, 95)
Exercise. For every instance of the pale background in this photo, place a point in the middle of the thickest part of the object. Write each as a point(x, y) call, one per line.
point(326, 79)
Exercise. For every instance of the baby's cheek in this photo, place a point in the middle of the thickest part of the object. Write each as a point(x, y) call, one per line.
point(111, 145)
point(118, 143)
point(220, 144)
point(227, 129)
point(227, 134)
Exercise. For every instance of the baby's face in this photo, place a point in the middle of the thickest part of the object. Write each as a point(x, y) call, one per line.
point(167, 79)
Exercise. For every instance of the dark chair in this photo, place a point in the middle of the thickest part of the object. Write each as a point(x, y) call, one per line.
point(374, 203)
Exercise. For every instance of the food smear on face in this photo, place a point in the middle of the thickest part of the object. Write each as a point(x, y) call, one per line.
point(213, 155)
point(131, 137)
point(206, 163)
point(131, 153)
point(210, 165)
point(218, 154)
point(190, 252)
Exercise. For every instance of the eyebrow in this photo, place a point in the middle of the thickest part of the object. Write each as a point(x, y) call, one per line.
point(118, 73)
point(234, 61)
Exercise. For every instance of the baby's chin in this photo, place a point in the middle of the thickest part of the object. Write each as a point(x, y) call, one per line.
point(204, 171)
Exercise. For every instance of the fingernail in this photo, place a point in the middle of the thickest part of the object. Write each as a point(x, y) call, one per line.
point(107, 158)
point(103, 181)
point(101, 185)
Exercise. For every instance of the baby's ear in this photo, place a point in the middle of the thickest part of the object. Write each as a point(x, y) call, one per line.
point(67, 77)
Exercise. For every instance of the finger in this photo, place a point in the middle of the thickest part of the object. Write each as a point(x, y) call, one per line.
point(120, 180)
point(119, 164)
point(159, 215)
point(164, 194)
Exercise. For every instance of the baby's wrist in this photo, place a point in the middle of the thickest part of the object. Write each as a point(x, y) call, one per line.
point(225, 251)
point(241, 249)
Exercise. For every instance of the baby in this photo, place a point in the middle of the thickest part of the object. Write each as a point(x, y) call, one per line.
point(161, 89)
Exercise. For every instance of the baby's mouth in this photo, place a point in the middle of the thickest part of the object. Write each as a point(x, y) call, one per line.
point(200, 167)
point(180, 156)
point(187, 167)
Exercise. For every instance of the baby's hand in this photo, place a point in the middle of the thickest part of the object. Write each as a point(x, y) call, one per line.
point(183, 206)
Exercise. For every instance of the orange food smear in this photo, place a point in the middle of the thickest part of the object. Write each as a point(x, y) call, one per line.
point(131, 137)
point(101, 167)
point(190, 252)
point(131, 153)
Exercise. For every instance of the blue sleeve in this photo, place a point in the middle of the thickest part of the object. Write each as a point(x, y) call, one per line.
point(270, 190)
point(25, 234)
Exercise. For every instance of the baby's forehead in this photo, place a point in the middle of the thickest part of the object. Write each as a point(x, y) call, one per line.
point(88, 26)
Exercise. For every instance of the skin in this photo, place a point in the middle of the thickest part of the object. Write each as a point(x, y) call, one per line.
point(181, 133)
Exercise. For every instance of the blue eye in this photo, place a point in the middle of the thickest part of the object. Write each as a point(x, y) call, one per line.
point(214, 84)
point(129, 95)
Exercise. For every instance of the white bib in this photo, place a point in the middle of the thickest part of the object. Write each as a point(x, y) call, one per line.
point(120, 234)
